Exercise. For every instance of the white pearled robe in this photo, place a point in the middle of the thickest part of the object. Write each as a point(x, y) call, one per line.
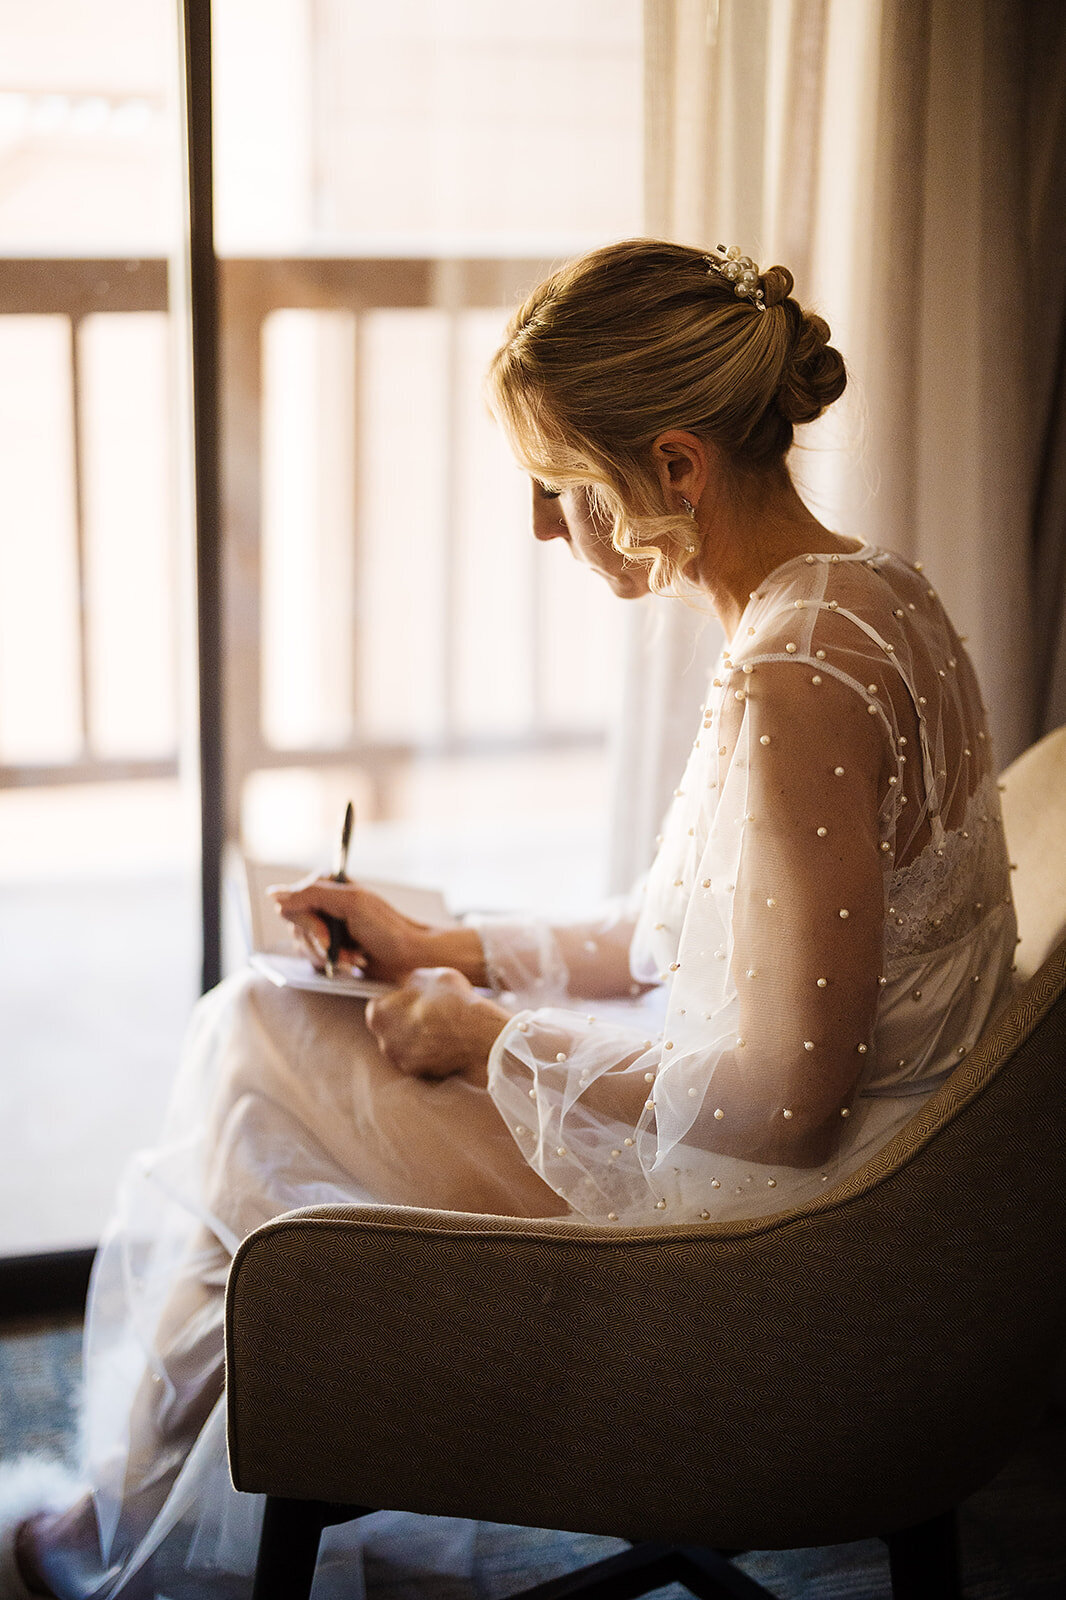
point(828, 919)
point(841, 765)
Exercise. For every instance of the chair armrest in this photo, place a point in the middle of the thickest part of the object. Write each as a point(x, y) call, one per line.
point(395, 1357)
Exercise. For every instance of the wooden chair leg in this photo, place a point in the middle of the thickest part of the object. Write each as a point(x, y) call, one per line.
point(288, 1545)
point(924, 1561)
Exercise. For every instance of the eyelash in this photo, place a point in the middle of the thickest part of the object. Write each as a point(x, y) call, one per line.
point(548, 494)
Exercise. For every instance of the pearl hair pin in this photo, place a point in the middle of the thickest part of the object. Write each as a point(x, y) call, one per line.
point(740, 271)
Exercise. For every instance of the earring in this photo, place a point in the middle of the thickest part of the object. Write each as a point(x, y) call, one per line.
point(689, 507)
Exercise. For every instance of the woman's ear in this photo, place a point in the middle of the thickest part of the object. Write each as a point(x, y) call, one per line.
point(683, 463)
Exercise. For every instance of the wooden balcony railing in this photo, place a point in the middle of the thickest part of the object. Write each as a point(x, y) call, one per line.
point(251, 291)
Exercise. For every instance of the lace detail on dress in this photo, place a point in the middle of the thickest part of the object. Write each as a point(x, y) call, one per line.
point(933, 897)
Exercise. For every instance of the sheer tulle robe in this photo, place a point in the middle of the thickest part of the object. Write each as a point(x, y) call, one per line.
point(825, 929)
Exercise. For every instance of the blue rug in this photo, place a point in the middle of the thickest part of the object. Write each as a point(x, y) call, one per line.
point(1013, 1531)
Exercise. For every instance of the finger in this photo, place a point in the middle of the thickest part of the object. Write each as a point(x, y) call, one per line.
point(312, 928)
point(293, 888)
point(425, 980)
point(354, 961)
point(312, 950)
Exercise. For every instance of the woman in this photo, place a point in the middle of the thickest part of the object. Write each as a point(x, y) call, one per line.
point(825, 929)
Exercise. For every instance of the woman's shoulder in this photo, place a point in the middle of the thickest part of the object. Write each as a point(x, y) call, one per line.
point(847, 609)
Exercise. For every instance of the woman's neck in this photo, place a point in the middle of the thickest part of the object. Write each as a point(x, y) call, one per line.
point(744, 536)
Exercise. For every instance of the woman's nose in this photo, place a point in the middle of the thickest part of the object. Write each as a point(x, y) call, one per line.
point(548, 520)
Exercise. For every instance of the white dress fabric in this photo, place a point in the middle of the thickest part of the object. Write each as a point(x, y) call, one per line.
point(828, 919)
point(825, 930)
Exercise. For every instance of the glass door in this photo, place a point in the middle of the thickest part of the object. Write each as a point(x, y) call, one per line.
point(99, 862)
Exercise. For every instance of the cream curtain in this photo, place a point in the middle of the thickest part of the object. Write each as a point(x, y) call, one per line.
point(902, 158)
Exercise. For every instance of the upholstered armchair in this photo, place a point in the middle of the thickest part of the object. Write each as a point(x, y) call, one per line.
point(851, 1369)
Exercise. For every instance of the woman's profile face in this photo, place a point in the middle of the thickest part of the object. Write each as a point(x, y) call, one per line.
point(568, 515)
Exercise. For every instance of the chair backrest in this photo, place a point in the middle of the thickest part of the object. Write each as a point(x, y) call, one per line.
point(1034, 816)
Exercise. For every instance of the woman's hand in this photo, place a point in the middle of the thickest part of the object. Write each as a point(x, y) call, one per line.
point(436, 1025)
point(387, 945)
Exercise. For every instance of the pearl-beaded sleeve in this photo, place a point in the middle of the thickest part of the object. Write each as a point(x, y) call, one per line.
point(767, 938)
point(827, 918)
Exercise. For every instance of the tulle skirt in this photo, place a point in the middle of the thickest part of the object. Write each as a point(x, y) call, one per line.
point(282, 1100)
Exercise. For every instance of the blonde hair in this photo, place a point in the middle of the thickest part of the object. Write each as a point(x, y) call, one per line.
point(640, 337)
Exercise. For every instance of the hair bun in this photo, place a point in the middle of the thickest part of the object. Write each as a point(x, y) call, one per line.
point(776, 285)
point(814, 374)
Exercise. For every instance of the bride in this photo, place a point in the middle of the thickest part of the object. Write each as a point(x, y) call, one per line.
point(824, 931)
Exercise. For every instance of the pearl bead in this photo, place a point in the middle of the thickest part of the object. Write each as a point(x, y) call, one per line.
point(616, 1152)
point(822, 832)
point(833, 606)
point(916, 994)
point(561, 1150)
point(705, 1216)
point(660, 1205)
point(845, 1112)
point(844, 913)
point(838, 772)
point(741, 1043)
point(819, 655)
point(716, 1183)
point(561, 1055)
point(751, 973)
point(532, 1093)
point(649, 1077)
point(649, 1105)
point(612, 1216)
point(706, 883)
point(872, 709)
point(628, 1143)
point(885, 845)
point(808, 1044)
point(862, 1049)
point(719, 1114)
point(523, 1027)
point(675, 966)
point(748, 668)
point(740, 694)
point(817, 678)
point(786, 1114)
point(791, 649)
point(764, 738)
point(669, 1045)
point(771, 1183)
point(518, 1128)
point(809, 560)
point(771, 902)
point(693, 1092)
point(798, 605)
point(822, 983)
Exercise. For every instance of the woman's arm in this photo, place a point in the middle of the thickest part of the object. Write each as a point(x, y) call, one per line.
point(773, 976)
